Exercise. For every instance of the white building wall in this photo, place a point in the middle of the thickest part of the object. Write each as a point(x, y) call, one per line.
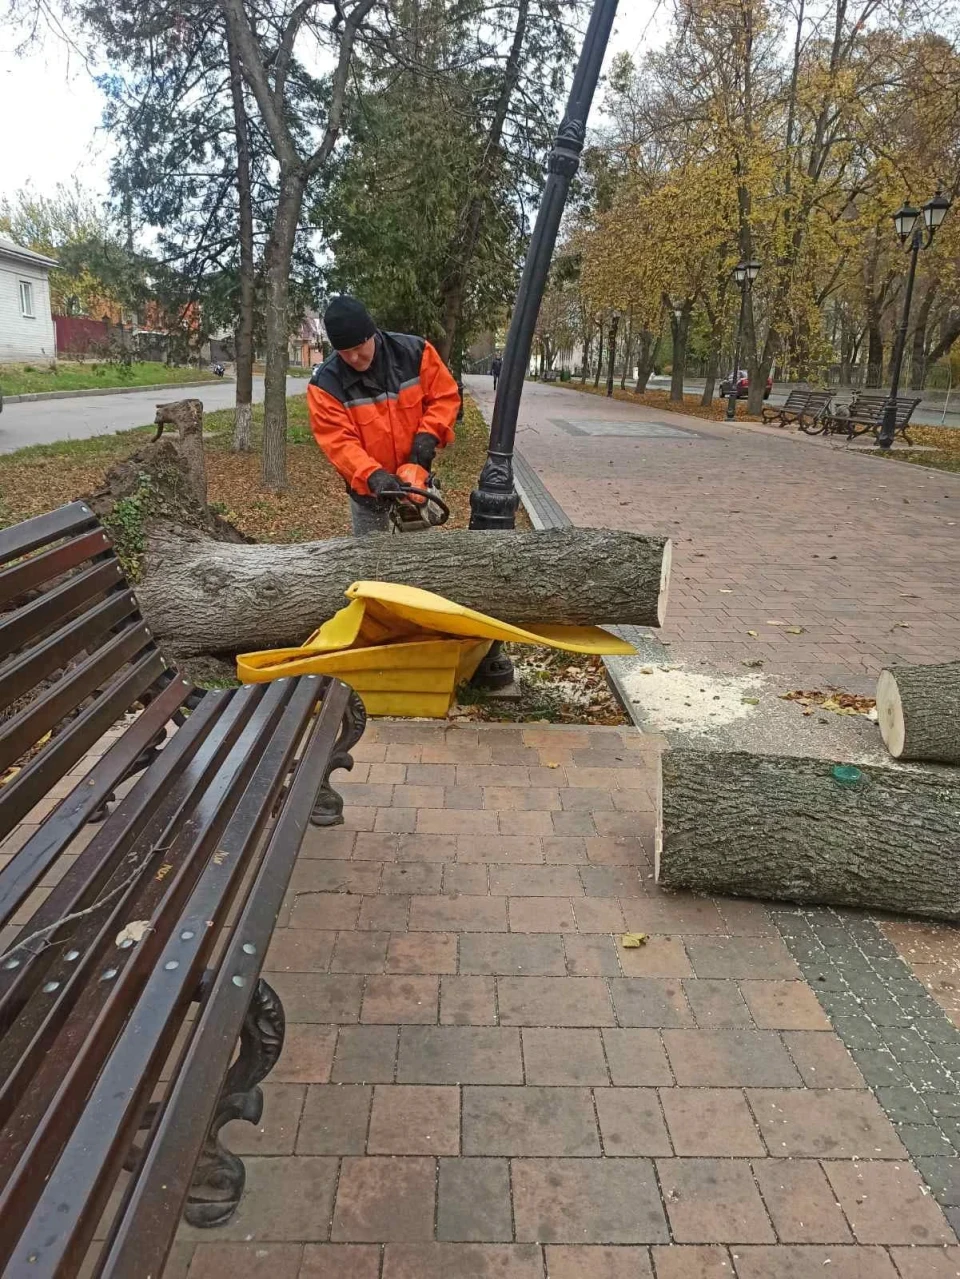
point(23, 339)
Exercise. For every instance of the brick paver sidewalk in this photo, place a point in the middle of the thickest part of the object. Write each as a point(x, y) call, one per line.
point(864, 555)
point(479, 1081)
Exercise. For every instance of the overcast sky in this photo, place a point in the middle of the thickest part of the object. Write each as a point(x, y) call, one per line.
point(50, 108)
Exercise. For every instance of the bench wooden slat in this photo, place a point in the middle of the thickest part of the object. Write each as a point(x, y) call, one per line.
point(25, 624)
point(23, 674)
point(155, 987)
point(49, 565)
point(27, 867)
point(142, 1236)
point(30, 535)
point(59, 755)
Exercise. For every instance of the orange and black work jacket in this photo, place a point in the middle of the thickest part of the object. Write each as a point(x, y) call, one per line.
point(366, 422)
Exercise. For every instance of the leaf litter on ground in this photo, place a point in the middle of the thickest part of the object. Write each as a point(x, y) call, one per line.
point(832, 700)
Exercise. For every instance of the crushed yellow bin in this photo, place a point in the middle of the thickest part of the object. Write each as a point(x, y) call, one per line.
point(405, 650)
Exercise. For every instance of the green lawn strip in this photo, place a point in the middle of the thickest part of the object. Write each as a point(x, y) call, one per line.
point(28, 379)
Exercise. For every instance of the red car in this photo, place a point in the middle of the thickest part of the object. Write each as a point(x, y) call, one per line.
point(743, 386)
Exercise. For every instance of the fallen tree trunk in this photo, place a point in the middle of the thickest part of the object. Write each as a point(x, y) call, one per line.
point(918, 709)
point(208, 597)
point(788, 829)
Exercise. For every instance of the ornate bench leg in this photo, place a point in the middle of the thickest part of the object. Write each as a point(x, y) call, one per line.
point(328, 807)
point(219, 1179)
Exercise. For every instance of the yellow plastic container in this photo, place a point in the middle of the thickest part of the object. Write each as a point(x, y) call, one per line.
point(405, 650)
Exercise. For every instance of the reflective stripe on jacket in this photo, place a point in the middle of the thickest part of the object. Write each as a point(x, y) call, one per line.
point(365, 422)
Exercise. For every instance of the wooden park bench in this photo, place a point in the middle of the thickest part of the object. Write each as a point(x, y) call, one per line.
point(805, 408)
point(864, 414)
point(125, 991)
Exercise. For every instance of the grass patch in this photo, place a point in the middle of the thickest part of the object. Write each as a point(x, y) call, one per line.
point(716, 411)
point(944, 441)
point(26, 379)
point(315, 506)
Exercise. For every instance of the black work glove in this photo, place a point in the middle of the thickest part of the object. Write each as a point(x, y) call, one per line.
point(424, 449)
point(381, 480)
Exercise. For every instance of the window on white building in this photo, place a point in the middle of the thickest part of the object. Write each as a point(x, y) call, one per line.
point(26, 300)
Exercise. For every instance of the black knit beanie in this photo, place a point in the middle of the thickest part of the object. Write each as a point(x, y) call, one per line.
point(348, 323)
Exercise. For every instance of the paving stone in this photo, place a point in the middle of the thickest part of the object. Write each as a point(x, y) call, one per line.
point(427, 848)
point(784, 1005)
point(458, 914)
point(335, 843)
point(541, 915)
point(346, 878)
point(716, 1004)
point(512, 953)
point(725, 1058)
point(800, 1201)
point(942, 1175)
point(412, 878)
point(285, 1200)
point(276, 1132)
point(408, 1120)
point(324, 911)
point(765, 958)
point(340, 1261)
point(422, 953)
point(307, 1055)
point(673, 913)
point(713, 1201)
point(611, 1201)
point(561, 850)
point(431, 774)
point(384, 1200)
point(574, 824)
point(401, 1000)
point(309, 997)
point(887, 1203)
point(658, 957)
point(612, 881)
point(650, 1001)
point(797, 1262)
point(365, 1054)
point(387, 914)
point(464, 880)
point(359, 952)
point(245, 1261)
point(691, 1261)
point(535, 881)
point(463, 1260)
point(822, 1059)
point(710, 1121)
point(335, 1120)
point(554, 1001)
point(378, 845)
point(529, 1121)
point(593, 955)
point(446, 821)
point(468, 1001)
point(631, 1122)
point(502, 850)
point(474, 1200)
point(459, 1055)
point(926, 1139)
point(636, 1058)
point(615, 850)
point(395, 821)
point(598, 915)
point(745, 918)
point(559, 1057)
point(813, 1123)
point(300, 950)
point(927, 1263)
point(595, 1262)
point(905, 1105)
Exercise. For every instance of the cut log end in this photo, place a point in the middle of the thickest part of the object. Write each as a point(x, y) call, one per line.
point(665, 564)
point(890, 714)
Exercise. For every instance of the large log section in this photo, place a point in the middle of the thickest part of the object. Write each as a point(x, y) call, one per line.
point(773, 827)
point(210, 597)
point(918, 708)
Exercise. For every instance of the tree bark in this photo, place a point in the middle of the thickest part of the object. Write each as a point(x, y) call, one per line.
point(772, 827)
point(205, 597)
point(918, 708)
point(596, 380)
point(186, 416)
point(680, 329)
point(918, 345)
point(243, 420)
point(649, 348)
point(273, 470)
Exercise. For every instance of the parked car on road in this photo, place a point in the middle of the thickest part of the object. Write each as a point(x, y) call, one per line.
point(743, 386)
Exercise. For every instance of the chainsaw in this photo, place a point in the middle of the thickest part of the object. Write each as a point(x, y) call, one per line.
point(418, 506)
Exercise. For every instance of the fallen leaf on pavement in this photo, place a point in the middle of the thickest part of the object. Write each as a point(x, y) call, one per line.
point(750, 701)
point(633, 941)
point(794, 630)
point(752, 633)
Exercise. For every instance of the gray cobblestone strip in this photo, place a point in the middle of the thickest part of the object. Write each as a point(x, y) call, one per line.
point(906, 1047)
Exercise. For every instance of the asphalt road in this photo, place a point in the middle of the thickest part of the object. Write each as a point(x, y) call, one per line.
point(44, 421)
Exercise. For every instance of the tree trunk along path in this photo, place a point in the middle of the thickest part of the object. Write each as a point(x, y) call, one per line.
point(786, 829)
point(210, 597)
point(918, 709)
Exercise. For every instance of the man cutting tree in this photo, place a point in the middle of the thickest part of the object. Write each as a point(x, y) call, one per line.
point(380, 401)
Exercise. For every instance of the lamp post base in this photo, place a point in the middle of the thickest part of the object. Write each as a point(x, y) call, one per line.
point(731, 406)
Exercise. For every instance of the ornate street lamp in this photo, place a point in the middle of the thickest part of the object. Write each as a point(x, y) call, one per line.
point(614, 324)
point(919, 229)
point(744, 273)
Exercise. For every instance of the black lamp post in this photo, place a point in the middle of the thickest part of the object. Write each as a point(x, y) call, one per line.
point(614, 324)
point(493, 503)
point(910, 227)
point(744, 273)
